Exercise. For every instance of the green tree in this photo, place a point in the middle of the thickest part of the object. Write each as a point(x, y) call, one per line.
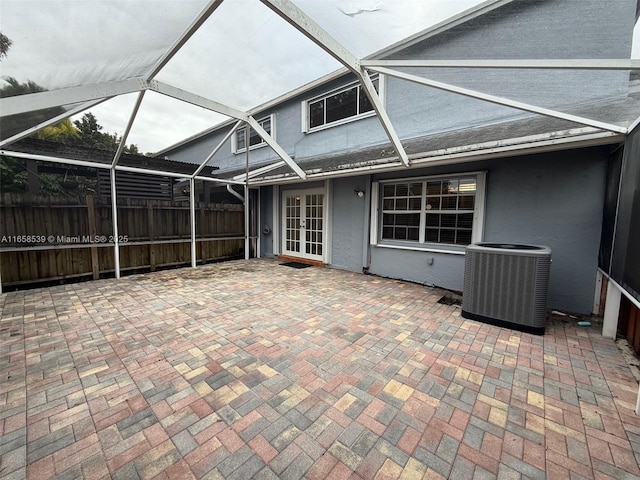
point(13, 175)
point(61, 132)
point(14, 87)
point(91, 135)
point(13, 124)
point(5, 44)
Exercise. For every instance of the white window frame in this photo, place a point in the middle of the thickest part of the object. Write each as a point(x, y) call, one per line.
point(306, 120)
point(234, 137)
point(477, 232)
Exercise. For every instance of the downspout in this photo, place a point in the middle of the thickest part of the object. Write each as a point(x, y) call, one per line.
point(234, 193)
point(366, 249)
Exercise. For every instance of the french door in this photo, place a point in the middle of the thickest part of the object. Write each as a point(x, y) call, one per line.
point(303, 223)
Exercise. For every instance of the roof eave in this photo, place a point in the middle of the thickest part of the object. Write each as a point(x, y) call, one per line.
point(553, 141)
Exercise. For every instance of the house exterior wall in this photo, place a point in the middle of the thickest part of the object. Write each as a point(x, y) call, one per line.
point(289, 135)
point(552, 199)
point(266, 220)
point(522, 29)
point(349, 223)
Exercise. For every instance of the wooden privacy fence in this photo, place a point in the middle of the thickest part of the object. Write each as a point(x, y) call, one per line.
point(57, 238)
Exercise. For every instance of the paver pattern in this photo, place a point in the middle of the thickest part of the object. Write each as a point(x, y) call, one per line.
point(249, 369)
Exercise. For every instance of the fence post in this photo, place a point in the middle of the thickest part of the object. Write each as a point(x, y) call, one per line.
point(91, 217)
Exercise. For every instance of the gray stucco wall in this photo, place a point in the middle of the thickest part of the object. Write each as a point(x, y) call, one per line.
point(561, 208)
point(348, 223)
point(548, 199)
point(523, 29)
point(289, 135)
point(266, 220)
point(552, 199)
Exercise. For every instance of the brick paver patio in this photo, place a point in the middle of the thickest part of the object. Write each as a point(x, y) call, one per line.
point(249, 369)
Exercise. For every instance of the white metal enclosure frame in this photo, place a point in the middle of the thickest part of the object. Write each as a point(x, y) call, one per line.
point(89, 95)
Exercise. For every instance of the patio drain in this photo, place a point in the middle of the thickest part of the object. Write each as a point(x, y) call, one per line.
point(451, 298)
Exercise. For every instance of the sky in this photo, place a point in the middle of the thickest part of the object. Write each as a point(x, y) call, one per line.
point(263, 57)
point(243, 56)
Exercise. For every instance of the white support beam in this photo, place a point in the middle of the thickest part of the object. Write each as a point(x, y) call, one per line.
point(67, 96)
point(247, 224)
point(192, 98)
point(114, 216)
point(276, 147)
point(147, 171)
point(261, 170)
point(314, 32)
point(51, 121)
point(247, 203)
point(217, 149)
point(192, 217)
point(184, 38)
point(105, 166)
point(46, 158)
point(633, 125)
point(123, 140)
point(544, 64)
point(223, 181)
point(501, 101)
point(384, 118)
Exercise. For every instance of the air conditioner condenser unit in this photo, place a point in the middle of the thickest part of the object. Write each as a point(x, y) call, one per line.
point(506, 285)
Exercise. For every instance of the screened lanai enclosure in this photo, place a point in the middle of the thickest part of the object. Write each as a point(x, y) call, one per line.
point(248, 100)
point(157, 86)
point(383, 140)
point(213, 90)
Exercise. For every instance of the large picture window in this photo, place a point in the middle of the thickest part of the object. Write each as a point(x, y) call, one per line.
point(435, 210)
point(338, 106)
point(238, 144)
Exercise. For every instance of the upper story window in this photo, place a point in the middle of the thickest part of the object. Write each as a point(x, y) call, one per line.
point(434, 210)
point(238, 142)
point(338, 106)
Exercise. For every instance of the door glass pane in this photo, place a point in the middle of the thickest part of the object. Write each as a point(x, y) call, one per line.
point(292, 229)
point(305, 239)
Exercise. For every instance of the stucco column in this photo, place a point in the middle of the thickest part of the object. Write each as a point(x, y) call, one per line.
point(611, 311)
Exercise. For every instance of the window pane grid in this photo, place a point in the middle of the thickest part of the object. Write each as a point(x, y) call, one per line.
point(334, 107)
point(254, 138)
point(442, 209)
